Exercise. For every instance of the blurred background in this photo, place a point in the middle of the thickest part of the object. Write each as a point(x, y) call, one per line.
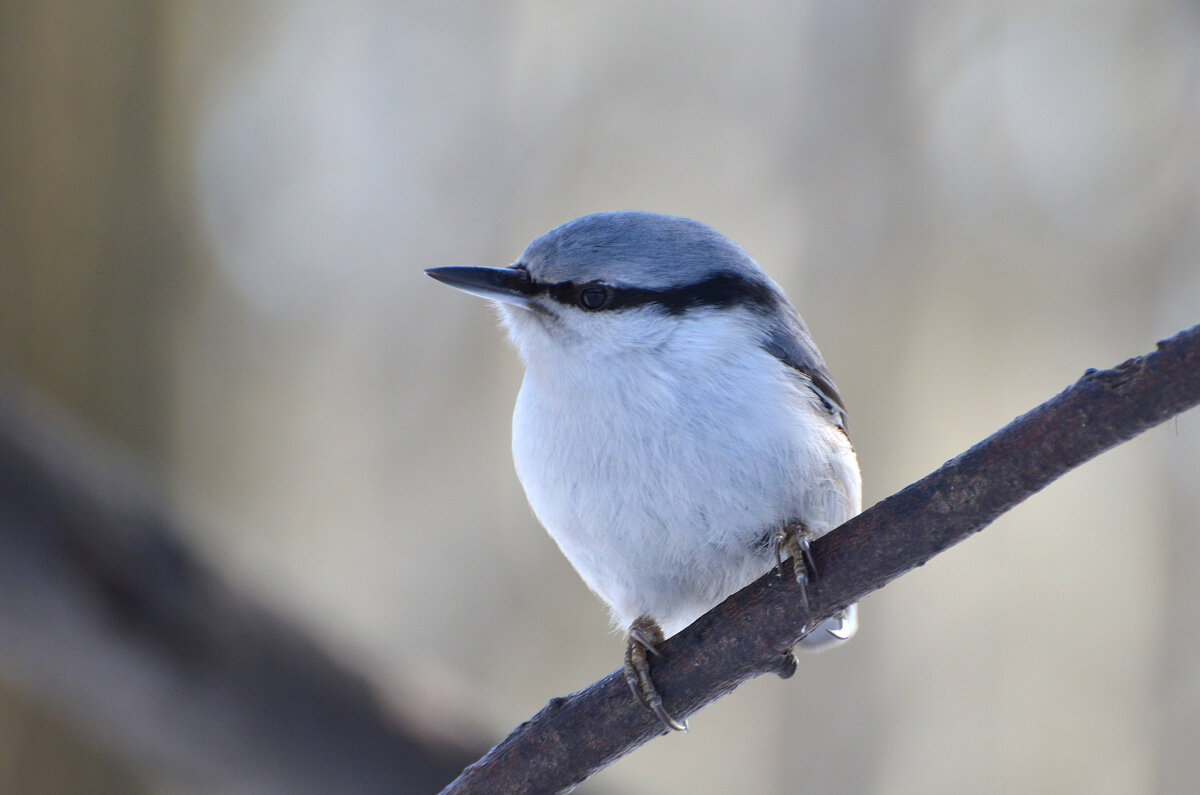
point(214, 221)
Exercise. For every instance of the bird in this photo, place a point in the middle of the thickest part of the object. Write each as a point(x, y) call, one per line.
point(677, 432)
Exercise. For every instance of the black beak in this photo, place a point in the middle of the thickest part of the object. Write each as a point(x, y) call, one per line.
point(509, 285)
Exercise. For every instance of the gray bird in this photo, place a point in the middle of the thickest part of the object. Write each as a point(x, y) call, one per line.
point(677, 431)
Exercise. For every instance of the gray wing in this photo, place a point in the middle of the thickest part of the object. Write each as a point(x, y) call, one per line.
point(788, 340)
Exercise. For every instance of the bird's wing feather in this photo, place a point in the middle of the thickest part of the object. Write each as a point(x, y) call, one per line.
point(788, 340)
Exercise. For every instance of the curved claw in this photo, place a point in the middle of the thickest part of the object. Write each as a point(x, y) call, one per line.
point(643, 639)
point(666, 718)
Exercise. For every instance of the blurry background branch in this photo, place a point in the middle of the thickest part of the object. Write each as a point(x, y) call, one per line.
point(108, 615)
point(751, 633)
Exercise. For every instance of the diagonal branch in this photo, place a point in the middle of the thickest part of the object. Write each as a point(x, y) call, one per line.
point(751, 633)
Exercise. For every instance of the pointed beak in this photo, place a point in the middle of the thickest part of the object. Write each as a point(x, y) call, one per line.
point(507, 285)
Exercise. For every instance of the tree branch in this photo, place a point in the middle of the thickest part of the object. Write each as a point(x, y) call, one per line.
point(751, 633)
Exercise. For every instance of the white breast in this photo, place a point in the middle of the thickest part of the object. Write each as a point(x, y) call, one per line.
point(661, 473)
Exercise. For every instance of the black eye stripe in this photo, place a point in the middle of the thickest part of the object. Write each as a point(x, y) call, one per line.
point(719, 290)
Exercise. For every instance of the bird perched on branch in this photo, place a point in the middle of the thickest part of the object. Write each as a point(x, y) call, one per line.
point(677, 431)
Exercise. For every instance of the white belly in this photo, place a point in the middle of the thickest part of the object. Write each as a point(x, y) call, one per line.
point(664, 496)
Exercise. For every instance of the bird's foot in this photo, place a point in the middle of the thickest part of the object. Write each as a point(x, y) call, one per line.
point(642, 641)
point(795, 542)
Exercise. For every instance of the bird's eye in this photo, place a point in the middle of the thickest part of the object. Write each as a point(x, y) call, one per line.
point(593, 297)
